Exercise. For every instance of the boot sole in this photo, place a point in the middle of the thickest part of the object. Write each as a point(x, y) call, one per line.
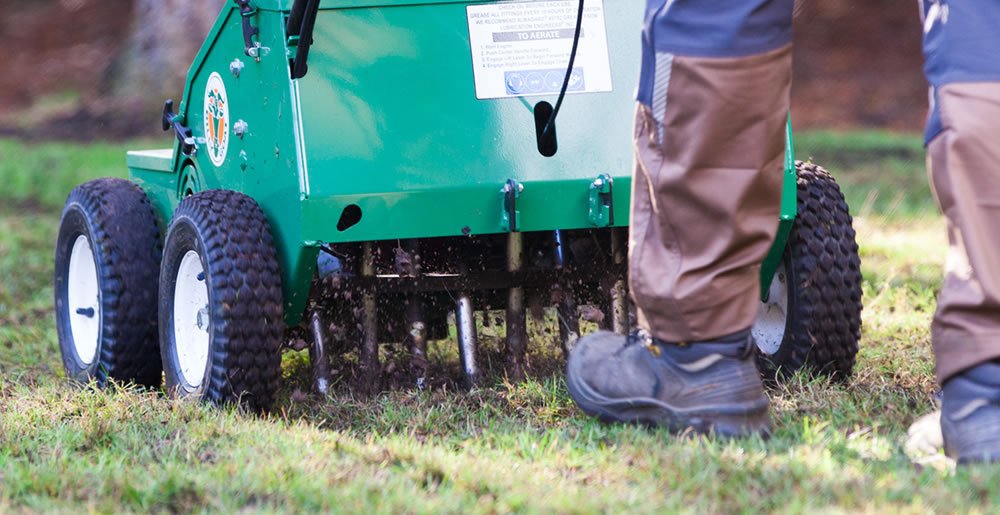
point(732, 421)
point(989, 452)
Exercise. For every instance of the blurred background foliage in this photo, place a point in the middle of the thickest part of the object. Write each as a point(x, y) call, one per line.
point(100, 69)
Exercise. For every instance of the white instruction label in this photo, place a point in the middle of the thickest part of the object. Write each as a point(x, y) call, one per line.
point(522, 48)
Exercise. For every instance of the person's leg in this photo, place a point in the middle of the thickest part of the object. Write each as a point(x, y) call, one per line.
point(960, 38)
point(709, 146)
point(964, 164)
point(709, 177)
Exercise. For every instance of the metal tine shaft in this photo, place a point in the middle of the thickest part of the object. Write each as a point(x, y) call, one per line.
point(417, 339)
point(517, 333)
point(370, 367)
point(619, 292)
point(318, 355)
point(569, 321)
point(465, 322)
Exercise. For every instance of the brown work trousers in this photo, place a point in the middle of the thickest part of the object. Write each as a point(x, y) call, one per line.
point(706, 192)
point(964, 166)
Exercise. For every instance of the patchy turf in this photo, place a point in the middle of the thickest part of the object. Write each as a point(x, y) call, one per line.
point(499, 448)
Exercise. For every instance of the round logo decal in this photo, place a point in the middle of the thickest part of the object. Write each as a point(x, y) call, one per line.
point(216, 119)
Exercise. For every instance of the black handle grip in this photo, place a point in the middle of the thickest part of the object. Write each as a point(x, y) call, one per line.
point(184, 134)
point(249, 31)
point(305, 12)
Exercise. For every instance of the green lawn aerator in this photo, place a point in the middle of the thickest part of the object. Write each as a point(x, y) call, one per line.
point(349, 173)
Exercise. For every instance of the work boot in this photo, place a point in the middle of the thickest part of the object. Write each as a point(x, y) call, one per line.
point(709, 387)
point(970, 414)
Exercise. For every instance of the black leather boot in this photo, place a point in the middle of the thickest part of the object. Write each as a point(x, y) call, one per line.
point(709, 387)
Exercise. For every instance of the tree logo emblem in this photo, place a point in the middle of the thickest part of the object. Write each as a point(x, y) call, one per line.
point(216, 119)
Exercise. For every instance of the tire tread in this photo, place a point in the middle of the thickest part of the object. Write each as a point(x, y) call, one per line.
point(128, 249)
point(247, 305)
point(824, 325)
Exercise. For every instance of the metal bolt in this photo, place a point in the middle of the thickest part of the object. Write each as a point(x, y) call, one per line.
point(236, 67)
point(599, 183)
point(240, 128)
point(202, 319)
point(520, 188)
point(257, 51)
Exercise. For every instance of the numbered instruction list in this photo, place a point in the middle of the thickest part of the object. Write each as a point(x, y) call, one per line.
point(522, 48)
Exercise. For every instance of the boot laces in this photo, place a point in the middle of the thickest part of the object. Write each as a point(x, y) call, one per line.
point(637, 337)
point(640, 336)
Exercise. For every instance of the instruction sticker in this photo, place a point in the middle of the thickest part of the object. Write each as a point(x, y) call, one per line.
point(522, 48)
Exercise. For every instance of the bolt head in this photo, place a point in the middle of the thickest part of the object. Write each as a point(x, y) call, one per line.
point(202, 319)
point(240, 128)
point(236, 67)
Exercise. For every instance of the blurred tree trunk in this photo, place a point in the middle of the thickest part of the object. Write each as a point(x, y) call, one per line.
point(165, 36)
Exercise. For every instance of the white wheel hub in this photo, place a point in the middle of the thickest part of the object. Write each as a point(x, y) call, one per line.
point(769, 328)
point(191, 319)
point(83, 300)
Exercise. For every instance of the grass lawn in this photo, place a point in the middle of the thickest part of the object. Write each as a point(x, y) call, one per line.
point(524, 447)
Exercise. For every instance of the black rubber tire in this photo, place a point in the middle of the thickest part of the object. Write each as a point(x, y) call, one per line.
point(118, 221)
point(229, 232)
point(823, 322)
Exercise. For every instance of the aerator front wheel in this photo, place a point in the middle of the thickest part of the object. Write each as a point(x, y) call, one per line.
point(221, 314)
point(812, 315)
point(106, 264)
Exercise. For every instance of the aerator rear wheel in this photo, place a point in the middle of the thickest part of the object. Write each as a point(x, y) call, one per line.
point(221, 313)
point(106, 266)
point(812, 316)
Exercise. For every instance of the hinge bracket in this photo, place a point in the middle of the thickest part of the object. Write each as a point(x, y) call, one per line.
point(601, 208)
point(510, 217)
point(252, 47)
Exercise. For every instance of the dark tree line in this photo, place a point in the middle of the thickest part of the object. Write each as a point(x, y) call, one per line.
point(165, 36)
